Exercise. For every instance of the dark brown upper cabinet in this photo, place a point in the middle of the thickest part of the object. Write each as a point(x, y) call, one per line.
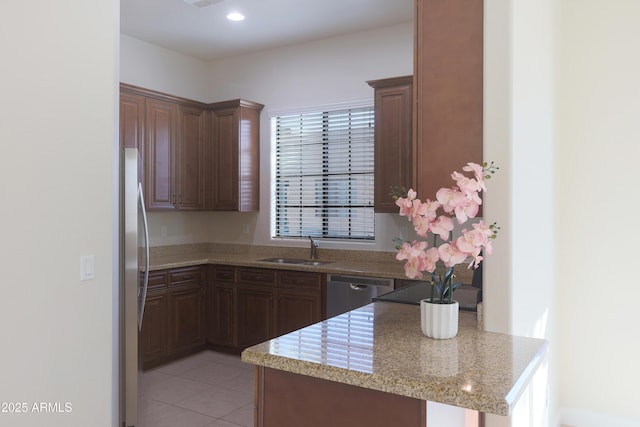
point(196, 156)
point(393, 98)
point(235, 129)
point(448, 91)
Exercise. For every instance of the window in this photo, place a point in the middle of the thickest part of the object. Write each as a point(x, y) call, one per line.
point(324, 174)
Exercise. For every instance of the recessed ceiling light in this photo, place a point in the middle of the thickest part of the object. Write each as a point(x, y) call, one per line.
point(235, 16)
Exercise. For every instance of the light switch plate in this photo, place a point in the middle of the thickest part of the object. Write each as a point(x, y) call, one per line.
point(87, 267)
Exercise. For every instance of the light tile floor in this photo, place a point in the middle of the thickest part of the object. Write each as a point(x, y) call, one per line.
point(207, 389)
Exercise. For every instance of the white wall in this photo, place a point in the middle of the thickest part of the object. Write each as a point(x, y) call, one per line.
point(597, 151)
point(519, 114)
point(153, 67)
point(57, 186)
point(313, 74)
point(324, 72)
point(560, 114)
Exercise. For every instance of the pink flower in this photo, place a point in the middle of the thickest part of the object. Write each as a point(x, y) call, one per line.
point(414, 254)
point(430, 259)
point(428, 209)
point(412, 269)
point(470, 240)
point(410, 250)
point(478, 171)
point(406, 205)
point(450, 254)
point(488, 248)
point(465, 184)
point(450, 198)
point(468, 209)
point(442, 226)
point(421, 225)
point(484, 229)
point(462, 201)
point(476, 258)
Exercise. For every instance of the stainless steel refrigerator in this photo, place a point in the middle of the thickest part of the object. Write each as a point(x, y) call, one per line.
point(134, 277)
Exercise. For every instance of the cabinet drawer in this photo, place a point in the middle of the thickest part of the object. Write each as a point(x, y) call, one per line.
point(299, 280)
point(258, 276)
point(224, 274)
point(183, 276)
point(157, 279)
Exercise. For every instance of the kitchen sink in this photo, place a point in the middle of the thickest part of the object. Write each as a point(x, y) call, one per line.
point(298, 261)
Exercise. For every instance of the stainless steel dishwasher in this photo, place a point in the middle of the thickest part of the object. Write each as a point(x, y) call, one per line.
point(346, 292)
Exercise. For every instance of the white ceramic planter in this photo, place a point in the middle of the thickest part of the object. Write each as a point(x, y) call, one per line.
point(439, 321)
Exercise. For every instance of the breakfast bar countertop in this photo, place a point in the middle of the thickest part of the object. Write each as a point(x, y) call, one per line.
point(380, 346)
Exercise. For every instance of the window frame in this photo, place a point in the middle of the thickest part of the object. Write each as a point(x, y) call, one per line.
point(333, 234)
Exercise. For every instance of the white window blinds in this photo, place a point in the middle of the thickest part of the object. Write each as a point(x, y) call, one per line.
point(324, 174)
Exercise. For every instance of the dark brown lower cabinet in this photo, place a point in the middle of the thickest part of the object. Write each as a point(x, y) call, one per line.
point(154, 343)
point(221, 315)
point(298, 301)
point(296, 310)
point(186, 317)
point(252, 305)
point(255, 314)
point(173, 324)
point(237, 308)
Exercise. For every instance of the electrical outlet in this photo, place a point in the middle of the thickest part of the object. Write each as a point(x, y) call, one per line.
point(245, 228)
point(163, 231)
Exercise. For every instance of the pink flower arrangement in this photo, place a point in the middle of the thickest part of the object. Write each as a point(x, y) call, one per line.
point(460, 202)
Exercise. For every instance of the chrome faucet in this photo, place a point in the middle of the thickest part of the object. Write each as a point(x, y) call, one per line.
point(312, 248)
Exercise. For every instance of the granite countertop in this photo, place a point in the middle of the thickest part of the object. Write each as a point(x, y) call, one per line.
point(362, 263)
point(381, 347)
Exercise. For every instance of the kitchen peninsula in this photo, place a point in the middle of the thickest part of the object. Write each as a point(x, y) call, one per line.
point(372, 366)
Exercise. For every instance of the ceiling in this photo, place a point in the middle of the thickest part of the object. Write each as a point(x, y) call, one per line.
point(205, 32)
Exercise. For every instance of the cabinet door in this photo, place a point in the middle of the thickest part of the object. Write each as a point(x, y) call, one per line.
point(255, 315)
point(153, 336)
point(132, 121)
point(296, 310)
point(448, 77)
point(186, 317)
point(235, 133)
point(222, 325)
point(249, 161)
point(190, 159)
point(225, 158)
point(161, 118)
point(393, 139)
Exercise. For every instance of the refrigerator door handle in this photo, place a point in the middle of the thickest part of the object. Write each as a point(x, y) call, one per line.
point(143, 296)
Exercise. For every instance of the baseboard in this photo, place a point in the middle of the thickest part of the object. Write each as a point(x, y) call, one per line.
point(573, 417)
